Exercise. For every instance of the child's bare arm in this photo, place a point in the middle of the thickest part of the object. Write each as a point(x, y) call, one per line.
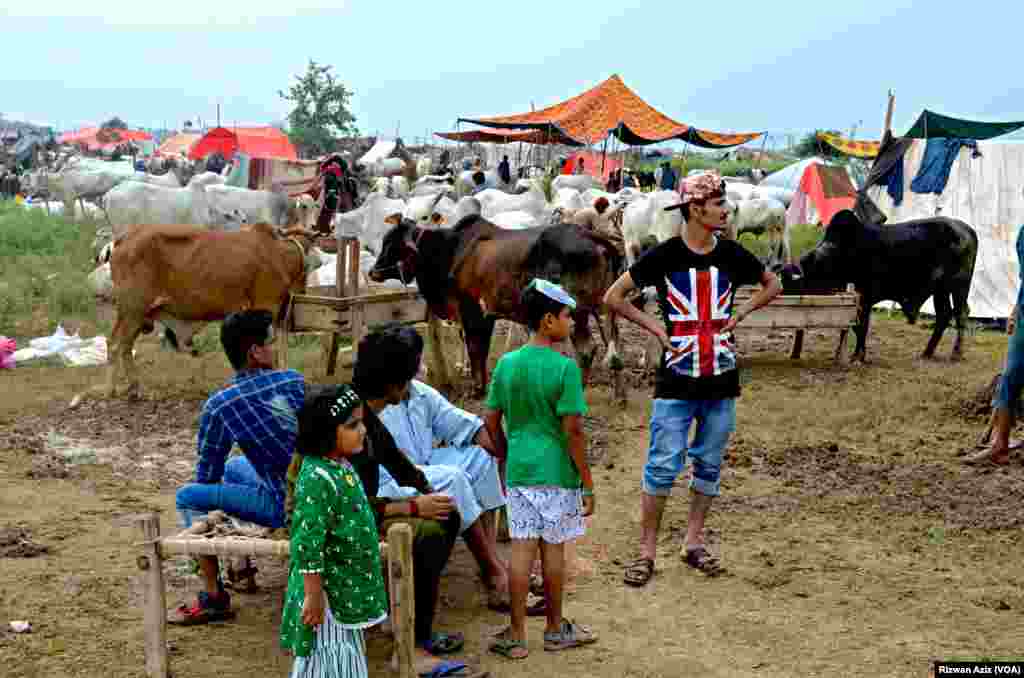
point(492, 422)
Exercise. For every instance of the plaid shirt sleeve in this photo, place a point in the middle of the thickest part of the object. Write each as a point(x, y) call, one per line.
point(214, 445)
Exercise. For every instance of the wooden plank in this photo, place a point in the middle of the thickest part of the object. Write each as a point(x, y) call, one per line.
point(225, 546)
point(154, 600)
point(800, 318)
point(329, 314)
point(403, 597)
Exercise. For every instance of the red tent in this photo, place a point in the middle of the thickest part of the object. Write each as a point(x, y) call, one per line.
point(256, 142)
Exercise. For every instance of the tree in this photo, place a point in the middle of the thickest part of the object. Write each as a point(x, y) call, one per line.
point(810, 146)
point(320, 114)
point(114, 123)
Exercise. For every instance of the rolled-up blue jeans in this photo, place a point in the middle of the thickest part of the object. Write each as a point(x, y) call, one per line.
point(242, 493)
point(670, 448)
point(1011, 384)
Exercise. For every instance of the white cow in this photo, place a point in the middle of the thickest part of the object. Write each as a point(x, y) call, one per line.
point(367, 221)
point(73, 184)
point(516, 220)
point(260, 207)
point(134, 202)
point(169, 179)
point(762, 215)
point(646, 218)
point(580, 182)
point(423, 166)
point(206, 179)
point(494, 202)
point(568, 199)
point(430, 211)
point(736, 191)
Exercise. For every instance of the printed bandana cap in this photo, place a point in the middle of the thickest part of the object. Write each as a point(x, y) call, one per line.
point(553, 291)
point(699, 187)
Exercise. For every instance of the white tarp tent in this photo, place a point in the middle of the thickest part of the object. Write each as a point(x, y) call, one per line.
point(789, 177)
point(988, 194)
point(380, 150)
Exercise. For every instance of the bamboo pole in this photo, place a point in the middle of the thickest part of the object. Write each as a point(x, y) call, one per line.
point(341, 290)
point(888, 113)
point(154, 601)
point(403, 596)
point(356, 314)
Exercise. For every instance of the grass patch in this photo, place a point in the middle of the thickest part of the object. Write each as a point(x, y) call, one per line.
point(803, 239)
point(44, 265)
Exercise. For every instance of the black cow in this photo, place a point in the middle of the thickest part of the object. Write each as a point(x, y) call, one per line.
point(474, 272)
point(905, 262)
point(646, 181)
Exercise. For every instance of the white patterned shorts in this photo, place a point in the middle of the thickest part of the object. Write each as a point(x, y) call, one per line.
point(553, 514)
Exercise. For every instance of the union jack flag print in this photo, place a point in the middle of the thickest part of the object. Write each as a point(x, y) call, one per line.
point(698, 309)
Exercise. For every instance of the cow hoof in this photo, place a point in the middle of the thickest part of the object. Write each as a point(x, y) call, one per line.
point(957, 357)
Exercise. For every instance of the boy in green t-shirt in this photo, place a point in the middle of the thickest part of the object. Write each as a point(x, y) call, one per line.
point(539, 392)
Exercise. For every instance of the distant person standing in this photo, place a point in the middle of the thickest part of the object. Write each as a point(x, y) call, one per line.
point(579, 167)
point(614, 181)
point(504, 171)
point(667, 181)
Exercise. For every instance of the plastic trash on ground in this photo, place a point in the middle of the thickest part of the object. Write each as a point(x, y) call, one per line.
point(7, 348)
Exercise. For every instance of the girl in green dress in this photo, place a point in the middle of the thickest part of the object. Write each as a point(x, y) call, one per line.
point(335, 587)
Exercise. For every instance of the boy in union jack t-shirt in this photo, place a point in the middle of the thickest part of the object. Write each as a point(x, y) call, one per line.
point(695, 275)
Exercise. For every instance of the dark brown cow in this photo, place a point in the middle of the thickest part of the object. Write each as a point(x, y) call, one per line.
point(474, 273)
point(186, 275)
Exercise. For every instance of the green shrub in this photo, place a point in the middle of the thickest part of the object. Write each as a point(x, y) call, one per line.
point(44, 265)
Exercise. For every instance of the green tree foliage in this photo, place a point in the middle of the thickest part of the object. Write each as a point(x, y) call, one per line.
point(320, 113)
point(114, 123)
point(809, 146)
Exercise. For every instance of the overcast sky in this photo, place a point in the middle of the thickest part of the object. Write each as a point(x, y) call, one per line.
point(784, 67)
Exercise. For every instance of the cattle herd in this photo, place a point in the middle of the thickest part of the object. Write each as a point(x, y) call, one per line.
point(468, 246)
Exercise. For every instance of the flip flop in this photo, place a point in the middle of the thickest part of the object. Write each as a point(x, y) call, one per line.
point(508, 648)
point(442, 669)
point(700, 558)
point(444, 643)
point(639, 572)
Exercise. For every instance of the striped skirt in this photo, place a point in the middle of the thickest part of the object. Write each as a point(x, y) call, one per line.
point(338, 652)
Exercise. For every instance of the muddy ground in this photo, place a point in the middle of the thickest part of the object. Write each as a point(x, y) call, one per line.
point(854, 539)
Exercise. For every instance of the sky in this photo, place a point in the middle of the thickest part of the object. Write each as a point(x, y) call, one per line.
point(783, 67)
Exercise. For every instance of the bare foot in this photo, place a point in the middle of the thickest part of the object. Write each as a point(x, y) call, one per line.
point(989, 456)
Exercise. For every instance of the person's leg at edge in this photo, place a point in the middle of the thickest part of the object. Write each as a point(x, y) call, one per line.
point(669, 427)
point(715, 424)
point(431, 549)
point(523, 553)
point(553, 563)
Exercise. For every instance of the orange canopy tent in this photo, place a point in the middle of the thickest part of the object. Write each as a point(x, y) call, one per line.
point(256, 142)
point(174, 145)
point(611, 108)
point(90, 137)
point(510, 136)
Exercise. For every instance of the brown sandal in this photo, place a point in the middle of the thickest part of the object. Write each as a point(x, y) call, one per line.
point(639, 572)
point(699, 558)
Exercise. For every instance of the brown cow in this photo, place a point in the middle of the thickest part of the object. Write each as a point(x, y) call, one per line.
point(184, 276)
point(474, 272)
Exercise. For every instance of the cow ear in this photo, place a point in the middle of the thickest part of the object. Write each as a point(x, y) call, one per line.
point(393, 219)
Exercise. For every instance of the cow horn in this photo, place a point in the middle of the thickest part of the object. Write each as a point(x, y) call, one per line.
point(436, 200)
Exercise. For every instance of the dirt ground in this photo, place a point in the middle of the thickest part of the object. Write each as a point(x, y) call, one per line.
point(853, 538)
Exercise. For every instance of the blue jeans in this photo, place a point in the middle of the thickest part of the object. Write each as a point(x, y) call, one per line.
point(1011, 384)
point(670, 432)
point(242, 493)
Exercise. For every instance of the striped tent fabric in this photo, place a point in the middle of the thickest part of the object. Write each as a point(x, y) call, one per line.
point(858, 149)
point(719, 140)
point(510, 136)
point(610, 108)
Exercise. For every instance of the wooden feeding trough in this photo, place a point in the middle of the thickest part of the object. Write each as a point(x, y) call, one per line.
point(396, 553)
point(348, 309)
point(801, 312)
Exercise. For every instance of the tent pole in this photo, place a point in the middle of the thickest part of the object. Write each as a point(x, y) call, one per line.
point(888, 114)
point(604, 155)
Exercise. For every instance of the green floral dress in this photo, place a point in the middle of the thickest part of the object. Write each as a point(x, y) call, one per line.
point(333, 533)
